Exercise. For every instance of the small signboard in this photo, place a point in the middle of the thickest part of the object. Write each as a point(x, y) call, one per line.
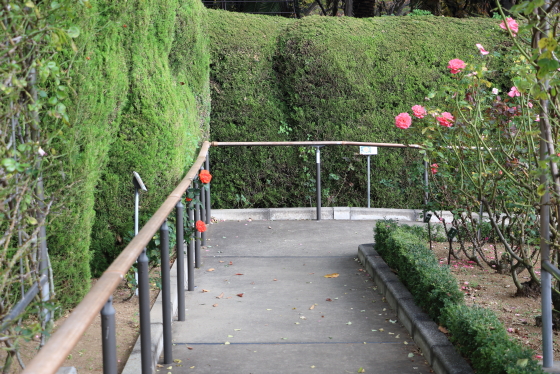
point(367, 151)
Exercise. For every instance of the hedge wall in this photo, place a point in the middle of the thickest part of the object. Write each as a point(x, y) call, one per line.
point(139, 101)
point(326, 78)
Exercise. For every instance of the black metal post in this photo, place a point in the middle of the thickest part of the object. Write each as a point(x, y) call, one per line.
point(166, 294)
point(190, 253)
point(197, 237)
point(108, 338)
point(203, 211)
point(318, 155)
point(207, 208)
point(144, 301)
point(180, 262)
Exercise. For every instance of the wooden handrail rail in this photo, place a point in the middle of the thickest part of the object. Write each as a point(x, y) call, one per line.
point(59, 346)
point(313, 143)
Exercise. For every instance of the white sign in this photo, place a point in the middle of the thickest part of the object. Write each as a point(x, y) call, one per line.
point(366, 150)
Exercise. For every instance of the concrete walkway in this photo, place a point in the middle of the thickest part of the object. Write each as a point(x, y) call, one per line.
point(263, 305)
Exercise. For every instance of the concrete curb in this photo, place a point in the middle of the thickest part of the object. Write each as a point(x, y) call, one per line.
point(134, 362)
point(437, 349)
point(327, 213)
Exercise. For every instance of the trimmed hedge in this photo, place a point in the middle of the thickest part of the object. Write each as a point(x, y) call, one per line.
point(476, 332)
point(327, 78)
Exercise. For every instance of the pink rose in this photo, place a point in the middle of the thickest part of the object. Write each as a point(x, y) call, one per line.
point(434, 168)
point(514, 92)
point(456, 65)
point(513, 26)
point(481, 49)
point(403, 121)
point(446, 119)
point(419, 111)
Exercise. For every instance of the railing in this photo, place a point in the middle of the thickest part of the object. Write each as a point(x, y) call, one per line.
point(99, 298)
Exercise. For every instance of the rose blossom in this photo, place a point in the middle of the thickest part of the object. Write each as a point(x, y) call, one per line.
point(200, 226)
point(482, 50)
point(456, 65)
point(403, 121)
point(495, 91)
point(434, 168)
point(205, 176)
point(446, 119)
point(513, 26)
point(514, 92)
point(419, 111)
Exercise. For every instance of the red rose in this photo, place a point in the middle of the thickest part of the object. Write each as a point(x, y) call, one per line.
point(200, 226)
point(205, 176)
point(188, 199)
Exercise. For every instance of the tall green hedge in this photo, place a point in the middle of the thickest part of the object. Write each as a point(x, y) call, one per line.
point(326, 78)
point(162, 122)
point(139, 100)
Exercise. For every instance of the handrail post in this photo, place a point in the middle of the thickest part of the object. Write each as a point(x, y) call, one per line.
point(190, 252)
point(165, 292)
point(144, 303)
point(318, 184)
point(203, 211)
point(180, 261)
point(197, 236)
point(108, 338)
point(207, 208)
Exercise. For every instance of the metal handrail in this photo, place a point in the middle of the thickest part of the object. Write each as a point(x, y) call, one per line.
point(313, 144)
point(59, 346)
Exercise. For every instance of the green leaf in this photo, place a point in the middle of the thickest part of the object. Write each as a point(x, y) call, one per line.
point(73, 32)
point(522, 362)
point(541, 190)
point(32, 220)
point(10, 164)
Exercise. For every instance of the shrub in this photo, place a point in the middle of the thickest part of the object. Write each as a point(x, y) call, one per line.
point(476, 332)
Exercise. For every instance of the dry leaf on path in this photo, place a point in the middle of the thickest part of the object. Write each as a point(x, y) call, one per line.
point(221, 295)
point(203, 290)
point(190, 348)
point(329, 299)
point(274, 279)
point(221, 262)
point(215, 305)
point(231, 263)
point(333, 275)
point(443, 329)
point(238, 274)
point(240, 294)
point(312, 307)
point(211, 269)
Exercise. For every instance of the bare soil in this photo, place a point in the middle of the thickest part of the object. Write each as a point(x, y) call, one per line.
point(485, 287)
point(86, 357)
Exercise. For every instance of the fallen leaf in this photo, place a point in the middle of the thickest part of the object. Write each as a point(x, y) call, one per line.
point(159, 366)
point(411, 355)
point(348, 323)
point(170, 367)
point(328, 300)
point(190, 348)
point(231, 263)
point(381, 330)
point(236, 329)
point(222, 262)
point(226, 343)
point(192, 367)
point(211, 269)
point(312, 307)
point(443, 329)
point(405, 342)
point(333, 275)
point(312, 366)
point(274, 279)
point(221, 295)
point(284, 338)
point(203, 290)
point(240, 294)
point(238, 274)
point(393, 321)
point(361, 370)
point(215, 305)
point(269, 309)
point(302, 317)
point(177, 361)
point(230, 336)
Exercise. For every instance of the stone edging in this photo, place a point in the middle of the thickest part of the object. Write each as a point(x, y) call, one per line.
point(437, 349)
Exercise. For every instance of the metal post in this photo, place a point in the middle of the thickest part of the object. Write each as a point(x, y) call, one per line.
point(318, 186)
point(180, 262)
point(144, 301)
point(108, 338)
point(368, 181)
point(190, 254)
point(207, 191)
point(546, 278)
point(136, 219)
point(425, 182)
point(197, 237)
point(203, 211)
point(166, 294)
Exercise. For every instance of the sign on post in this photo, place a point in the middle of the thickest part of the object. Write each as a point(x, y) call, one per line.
point(368, 151)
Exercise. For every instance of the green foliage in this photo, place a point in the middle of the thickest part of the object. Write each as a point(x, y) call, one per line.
point(420, 12)
point(476, 332)
point(404, 249)
point(326, 78)
point(479, 335)
point(165, 116)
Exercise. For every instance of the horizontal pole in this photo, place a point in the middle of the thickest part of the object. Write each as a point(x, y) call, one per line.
point(53, 354)
point(547, 265)
point(23, 303)
point(313, 143)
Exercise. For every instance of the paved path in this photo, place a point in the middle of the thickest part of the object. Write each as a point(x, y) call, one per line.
point(290, 318)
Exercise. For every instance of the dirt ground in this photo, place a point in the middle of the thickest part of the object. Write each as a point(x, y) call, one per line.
point(485, 287)
point(86, 357)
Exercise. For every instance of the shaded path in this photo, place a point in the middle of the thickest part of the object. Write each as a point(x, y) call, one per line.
point(290, 318)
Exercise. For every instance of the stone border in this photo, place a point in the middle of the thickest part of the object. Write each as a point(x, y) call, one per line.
point(134, 363)
point(437, 349)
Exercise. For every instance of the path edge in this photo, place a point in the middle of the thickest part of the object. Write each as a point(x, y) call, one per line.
point(437, 349)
